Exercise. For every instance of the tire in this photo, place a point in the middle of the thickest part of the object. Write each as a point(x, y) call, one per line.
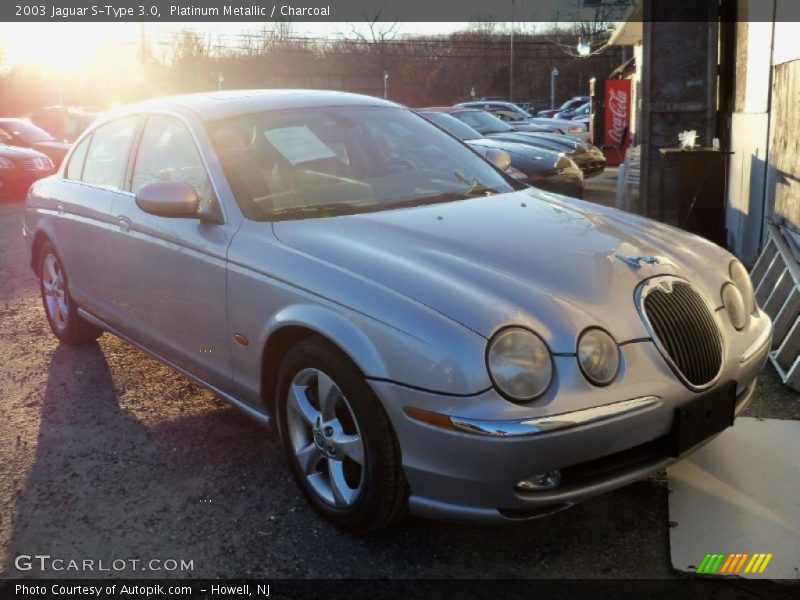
point(321, 440)
point(61, 310)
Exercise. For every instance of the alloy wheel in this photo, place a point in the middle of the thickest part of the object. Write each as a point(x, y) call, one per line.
point(56, 301)
point(325, 438)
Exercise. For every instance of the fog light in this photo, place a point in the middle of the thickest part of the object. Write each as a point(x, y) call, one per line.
point(539, 482)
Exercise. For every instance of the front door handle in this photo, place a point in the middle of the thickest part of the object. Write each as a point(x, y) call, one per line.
point(124, 224)
point(60, 209)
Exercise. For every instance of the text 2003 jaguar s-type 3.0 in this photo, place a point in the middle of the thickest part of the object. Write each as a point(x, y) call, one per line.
point(425, 332)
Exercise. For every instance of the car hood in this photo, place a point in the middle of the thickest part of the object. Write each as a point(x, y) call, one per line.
point(62, 147)
point(559, 143)
point(564, 124)
point(18, 152)
point(547, 156)
point(526, 258)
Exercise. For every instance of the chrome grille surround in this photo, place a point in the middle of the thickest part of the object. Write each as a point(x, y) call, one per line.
point(683, 327)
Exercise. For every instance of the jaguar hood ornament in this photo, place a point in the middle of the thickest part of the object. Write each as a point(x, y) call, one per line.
point(636, 261)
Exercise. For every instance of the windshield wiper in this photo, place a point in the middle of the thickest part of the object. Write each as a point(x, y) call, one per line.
point(321, 210)
point(476, 186)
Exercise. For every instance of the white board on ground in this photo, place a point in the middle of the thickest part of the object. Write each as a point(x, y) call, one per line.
point(740, 494)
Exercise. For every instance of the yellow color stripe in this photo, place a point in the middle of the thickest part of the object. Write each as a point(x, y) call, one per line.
point(757, 564)
point(751, 564)
point(765, 563)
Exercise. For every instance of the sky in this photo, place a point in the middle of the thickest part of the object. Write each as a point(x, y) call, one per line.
point(61, 45)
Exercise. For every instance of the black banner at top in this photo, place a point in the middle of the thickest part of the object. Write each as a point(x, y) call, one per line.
point(389, 10)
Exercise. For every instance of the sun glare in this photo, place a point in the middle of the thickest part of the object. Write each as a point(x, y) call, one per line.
point(64, 47)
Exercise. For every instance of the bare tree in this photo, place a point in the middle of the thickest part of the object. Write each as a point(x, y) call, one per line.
point(189, 45)
point(378, 32)
point(588, 27)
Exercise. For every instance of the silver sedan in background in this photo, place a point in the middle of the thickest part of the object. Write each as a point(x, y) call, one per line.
point(423, 331)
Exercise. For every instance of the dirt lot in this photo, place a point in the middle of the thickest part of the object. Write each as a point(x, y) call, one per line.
point(106, 454)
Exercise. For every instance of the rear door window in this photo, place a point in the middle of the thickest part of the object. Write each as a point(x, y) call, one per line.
point(75, 166)
point(108, 153)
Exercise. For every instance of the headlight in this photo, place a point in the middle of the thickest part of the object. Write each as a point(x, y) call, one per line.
point(519, 364)
point(741, 279)
point(735, 305)
point(598, 356)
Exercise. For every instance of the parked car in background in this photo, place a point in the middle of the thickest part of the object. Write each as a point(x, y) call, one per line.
point(572, 114)
point(570, 104)
point(514, 115)
point(535, 165)
point(19, 168)
point(62, 122)
point(425, 332)
point(23, 133)
point(527, 105)
point(590, 159)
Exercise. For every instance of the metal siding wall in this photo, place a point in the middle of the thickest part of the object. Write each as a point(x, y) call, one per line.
point(746, 178)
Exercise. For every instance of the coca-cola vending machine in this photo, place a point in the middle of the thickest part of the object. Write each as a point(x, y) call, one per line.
point(617, 120)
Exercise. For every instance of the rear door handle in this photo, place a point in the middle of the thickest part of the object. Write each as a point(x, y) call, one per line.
point(60, 209)
point(124, 224)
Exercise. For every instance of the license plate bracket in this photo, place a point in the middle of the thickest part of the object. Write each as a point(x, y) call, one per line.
point(702, 417)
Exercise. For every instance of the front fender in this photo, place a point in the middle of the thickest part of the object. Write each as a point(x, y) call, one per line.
point(387, 336)
point(336, 327)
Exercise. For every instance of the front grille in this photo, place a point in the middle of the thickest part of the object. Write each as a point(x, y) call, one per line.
point(684, 330)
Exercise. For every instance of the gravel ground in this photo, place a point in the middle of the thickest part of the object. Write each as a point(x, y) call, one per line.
point(106, 454)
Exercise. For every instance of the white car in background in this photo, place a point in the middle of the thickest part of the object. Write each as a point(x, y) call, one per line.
point(508, 111)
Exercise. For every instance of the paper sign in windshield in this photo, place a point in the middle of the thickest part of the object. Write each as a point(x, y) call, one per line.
point(298, 144)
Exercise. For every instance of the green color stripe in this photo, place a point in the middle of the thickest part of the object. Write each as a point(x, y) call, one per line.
point(703, 564)
point(718, 563)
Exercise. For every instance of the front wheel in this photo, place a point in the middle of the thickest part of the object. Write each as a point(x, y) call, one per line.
point(61, 310)
point(340, 445)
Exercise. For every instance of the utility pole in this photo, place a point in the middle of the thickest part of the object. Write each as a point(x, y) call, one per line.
point(385, 85)
point(511, 65)
point(143, 41)
point(553, 75)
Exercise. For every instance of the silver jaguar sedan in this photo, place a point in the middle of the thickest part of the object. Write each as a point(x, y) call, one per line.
point(424, 332)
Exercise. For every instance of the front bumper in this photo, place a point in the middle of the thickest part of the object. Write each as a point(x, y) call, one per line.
point(470, 474)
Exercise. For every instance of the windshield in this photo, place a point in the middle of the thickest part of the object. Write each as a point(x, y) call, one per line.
point(452, 125)
point(314, 162)
point(26, 132)
point(483, 122)
point(522, 113)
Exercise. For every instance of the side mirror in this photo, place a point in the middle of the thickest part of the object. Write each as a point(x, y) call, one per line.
point(499, 158)
point(168, 199)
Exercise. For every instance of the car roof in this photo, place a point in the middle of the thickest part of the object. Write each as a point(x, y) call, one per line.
point(504, 103)
point(450, 109)
point(210, 106)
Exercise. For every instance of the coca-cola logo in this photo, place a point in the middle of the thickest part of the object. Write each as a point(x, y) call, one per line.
point(618, 108)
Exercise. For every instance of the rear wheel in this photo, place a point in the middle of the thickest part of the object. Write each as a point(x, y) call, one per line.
point(61, 310)
point(340, 445)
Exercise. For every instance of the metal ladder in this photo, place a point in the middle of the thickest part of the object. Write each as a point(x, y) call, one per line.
point(629, 178)
point(776, 279)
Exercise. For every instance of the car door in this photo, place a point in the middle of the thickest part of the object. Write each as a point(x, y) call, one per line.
point(169, 292)
point(82, 200)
